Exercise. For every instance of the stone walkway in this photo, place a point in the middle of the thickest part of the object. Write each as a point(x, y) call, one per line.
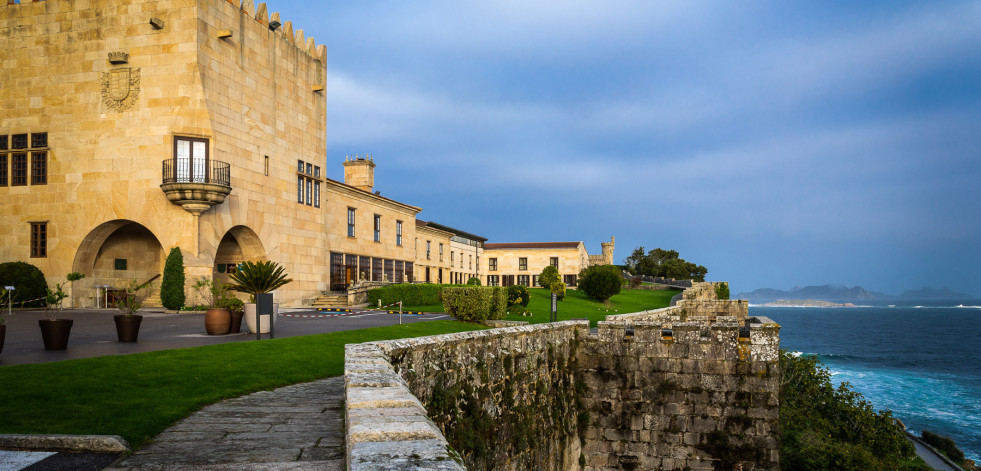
point(298, 427)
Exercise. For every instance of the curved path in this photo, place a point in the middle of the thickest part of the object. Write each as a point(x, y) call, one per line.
point(298, 427)
point(931, 457)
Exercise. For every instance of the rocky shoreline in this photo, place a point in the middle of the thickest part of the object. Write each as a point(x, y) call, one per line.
point(805, 303)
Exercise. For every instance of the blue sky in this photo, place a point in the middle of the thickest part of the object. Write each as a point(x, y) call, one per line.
point(776, 143)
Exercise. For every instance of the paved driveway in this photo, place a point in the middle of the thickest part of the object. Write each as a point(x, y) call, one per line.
point(94, 333)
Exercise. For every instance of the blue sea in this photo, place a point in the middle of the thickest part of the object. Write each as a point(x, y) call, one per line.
point(920, 359)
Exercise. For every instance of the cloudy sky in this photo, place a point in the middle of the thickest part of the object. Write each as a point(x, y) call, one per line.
point(776, 143)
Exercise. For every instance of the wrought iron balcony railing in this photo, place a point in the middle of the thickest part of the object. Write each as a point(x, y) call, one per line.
point(196, 171)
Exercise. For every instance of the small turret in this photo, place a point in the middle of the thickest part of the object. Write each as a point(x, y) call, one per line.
point(359, 172)
point(608, 250)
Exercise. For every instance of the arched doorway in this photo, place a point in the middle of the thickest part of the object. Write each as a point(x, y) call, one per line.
point(239, 244)
point(117, 253)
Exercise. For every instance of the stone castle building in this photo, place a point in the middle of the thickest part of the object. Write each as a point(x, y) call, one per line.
point(129, 128)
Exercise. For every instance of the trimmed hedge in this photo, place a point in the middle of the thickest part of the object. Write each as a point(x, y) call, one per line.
point(410, 294)
point(172, 286)
point(27, 280)
point(474, 303)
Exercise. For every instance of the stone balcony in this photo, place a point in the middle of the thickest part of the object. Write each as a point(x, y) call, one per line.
point(196, 186)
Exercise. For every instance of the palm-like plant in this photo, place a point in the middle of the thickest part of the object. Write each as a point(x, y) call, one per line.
point(258, 277)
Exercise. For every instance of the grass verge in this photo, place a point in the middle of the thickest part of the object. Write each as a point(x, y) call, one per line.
point(577, 305)
point(137, 396)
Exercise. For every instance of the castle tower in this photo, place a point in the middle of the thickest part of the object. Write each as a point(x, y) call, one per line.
point(608, 251)
point(359, 172)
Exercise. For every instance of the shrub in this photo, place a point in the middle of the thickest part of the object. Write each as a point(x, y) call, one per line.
point(172, 285)
point(827, 428)
point(470, 303)
point(722, 290)
point(549, 277)
point(635, 283)
point(27, 280)
point(409, 294)
point(518, 294)
point(559, 290)
point(600, 282)
point(473, 281)
point(944, 445)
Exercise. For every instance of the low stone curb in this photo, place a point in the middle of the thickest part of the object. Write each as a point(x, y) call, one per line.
point(69, 443)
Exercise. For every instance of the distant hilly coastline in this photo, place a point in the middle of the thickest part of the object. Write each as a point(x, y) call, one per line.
point(841, 294)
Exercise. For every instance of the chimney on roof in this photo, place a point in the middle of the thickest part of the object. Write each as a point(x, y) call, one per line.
point(359, 172)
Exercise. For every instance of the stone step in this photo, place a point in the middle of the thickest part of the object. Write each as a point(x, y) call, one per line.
point(331, 300)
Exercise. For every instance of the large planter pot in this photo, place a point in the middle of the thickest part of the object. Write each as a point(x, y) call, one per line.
point(127, 327)
point(217, 321)
point(55, 333)
point(264, 321)
point(236, 322)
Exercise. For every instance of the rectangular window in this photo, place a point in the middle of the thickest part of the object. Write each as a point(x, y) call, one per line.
point(378, 228)
point(18, 172)
point(350, 222)
point(265, 166)
point(316, 171)
point(18, 141)
point(3, 169)
point(39, 168)
point(39, 239)
point(316, 195)
point(309, 169)
point(491, 264)
point(120, 263)
point(470, 258)
point(534, 281)
point(309, 192)
point(39, 140)
point(427, 250)
point(364, 268)
point(408, 272)
point(441, 252)
point(300, 166)
point(3, 142)
point(523, 280)
point(570, 280)
point(398, 233)
point(299, 189)
point(507, 280)
point(452, 256)
point(390, 270)
point(523, 263)
point(493, 280)
point(190, 159)
point(554, 261)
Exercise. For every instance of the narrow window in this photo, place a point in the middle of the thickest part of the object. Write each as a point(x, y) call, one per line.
point(18, 141)
point(18, 173)
point(309, 192)
point(309, 169)
point(316, 194)
point(378, 227)
point(265, 166)
point(39, 239)
point(39, 168)
point(3, 142)
point(300, 166)
point(350, 222)
point(3, 169)
point(428, 245)
point(398, 233)
point(39, 140)
point(299, 189)
point(452, 256)
point(554, 261)
point(523, 263)
point(441, 257)
point(492, 264)
point(470, 262)
point(316, 171)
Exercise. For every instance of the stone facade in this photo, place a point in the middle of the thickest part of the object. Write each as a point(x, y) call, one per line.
point(651, 390)
point(520, 263)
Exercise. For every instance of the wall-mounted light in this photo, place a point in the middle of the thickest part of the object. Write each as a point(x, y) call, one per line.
point(224, 33)
point(274, 24)
point(157, 23)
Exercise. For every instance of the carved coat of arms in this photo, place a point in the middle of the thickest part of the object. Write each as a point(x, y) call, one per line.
point(120, 88)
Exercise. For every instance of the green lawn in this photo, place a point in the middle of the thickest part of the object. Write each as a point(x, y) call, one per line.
point(577, 305)
point(137, 396)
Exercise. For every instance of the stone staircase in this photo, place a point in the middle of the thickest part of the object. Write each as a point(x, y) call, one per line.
point(153, 299)
point(330, 300)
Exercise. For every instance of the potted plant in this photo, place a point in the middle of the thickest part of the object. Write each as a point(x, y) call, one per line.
point(54, 331)
point(256, 278)
point(237, 309)
point(72, 278)
point(217, 318)
point(128, 323)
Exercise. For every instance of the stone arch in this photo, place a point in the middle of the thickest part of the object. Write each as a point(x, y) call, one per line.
point(240, 243)
point(115, 253)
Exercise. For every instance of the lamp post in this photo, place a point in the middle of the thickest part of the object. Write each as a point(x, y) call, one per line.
point(10, 299)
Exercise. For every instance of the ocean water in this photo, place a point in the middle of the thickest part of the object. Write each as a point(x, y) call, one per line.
point(920, 359)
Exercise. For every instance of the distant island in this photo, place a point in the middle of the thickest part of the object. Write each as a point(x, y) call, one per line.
point(842, 294)
point(805, 303)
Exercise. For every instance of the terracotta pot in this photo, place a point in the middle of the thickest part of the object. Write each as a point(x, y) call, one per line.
point(55, 333)
point(127, 327)
point(236, 322)
point(3, 333)
point(217, 321)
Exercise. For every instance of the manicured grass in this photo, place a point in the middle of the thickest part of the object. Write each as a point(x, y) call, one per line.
point(577, 305)
point(137, 396)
